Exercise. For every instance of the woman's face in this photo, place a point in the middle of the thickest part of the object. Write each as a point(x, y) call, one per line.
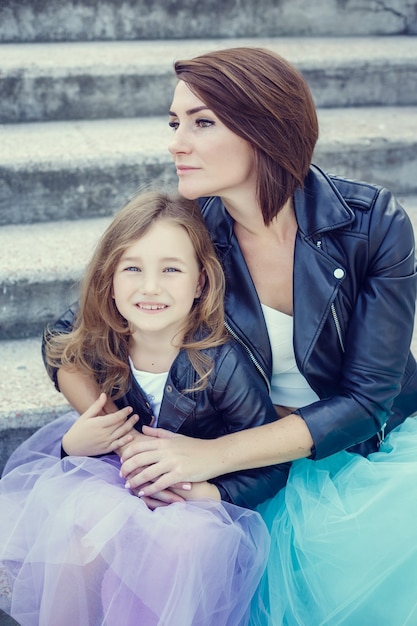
point(211, 160)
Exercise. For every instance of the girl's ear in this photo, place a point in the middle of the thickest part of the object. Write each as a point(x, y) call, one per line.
point(200, 284)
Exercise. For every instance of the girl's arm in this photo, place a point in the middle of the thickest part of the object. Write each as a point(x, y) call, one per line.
point(81, 390)
point(96, 432)
point(101, 427)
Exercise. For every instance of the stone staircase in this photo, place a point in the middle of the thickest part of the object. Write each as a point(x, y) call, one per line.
point(85, 87)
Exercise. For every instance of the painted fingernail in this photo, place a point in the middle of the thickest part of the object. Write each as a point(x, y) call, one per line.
point(140, 494)
point(127, 485)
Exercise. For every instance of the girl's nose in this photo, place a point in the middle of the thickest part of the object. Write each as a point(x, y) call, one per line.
point(150, 284)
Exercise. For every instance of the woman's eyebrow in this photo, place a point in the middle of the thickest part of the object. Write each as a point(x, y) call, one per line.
point(190, 111)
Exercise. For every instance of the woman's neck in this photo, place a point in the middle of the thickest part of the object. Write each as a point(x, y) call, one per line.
point(249, 222)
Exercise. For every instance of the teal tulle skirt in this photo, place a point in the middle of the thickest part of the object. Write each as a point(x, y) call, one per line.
point(344, 540)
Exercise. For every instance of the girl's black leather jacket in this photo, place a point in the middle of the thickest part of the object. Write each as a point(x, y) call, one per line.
point(354, 300)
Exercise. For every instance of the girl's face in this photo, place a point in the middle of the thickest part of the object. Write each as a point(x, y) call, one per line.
point(211, 160)
point(157, 280)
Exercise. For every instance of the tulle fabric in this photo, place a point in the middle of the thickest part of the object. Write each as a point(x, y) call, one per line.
point(344, 540)
point(79, 549)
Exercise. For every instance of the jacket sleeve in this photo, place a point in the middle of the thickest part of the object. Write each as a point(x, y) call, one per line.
point(63, 325)
point(241, 396)
point(377, 336)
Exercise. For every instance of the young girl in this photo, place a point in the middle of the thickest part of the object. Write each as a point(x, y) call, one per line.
point(80, 548)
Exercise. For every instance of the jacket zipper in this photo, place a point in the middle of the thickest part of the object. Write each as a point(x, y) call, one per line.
point(250, 354)
point(337, 324)
point(334, 313)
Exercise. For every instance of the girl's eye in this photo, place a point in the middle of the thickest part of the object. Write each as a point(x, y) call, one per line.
point(132, 268)
point(173, 125)
point(171, 269)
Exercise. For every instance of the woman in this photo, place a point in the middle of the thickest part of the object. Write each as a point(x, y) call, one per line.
point(320, 290)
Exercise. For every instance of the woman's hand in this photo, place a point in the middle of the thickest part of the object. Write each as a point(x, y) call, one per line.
point(97, 432)
point(165, 459)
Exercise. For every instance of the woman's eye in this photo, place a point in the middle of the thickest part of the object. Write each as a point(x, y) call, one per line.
point(171, 269)
point(173, 125)
point(202, 123)
point(132, 268)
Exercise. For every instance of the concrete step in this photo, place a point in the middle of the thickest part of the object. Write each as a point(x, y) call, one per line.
point(94, 80)
point(85, 20)
point(68, 170)
point(28, 400)
point(41, 264)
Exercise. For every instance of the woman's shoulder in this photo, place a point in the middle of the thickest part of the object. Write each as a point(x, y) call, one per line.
point(374, 208)
point(370, 198)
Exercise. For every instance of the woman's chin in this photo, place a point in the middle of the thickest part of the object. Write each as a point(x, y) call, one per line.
point(188, 194)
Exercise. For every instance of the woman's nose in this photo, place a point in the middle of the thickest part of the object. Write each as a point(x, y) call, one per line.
point(179, 143)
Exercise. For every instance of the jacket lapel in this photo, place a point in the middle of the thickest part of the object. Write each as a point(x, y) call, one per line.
point(319, 209)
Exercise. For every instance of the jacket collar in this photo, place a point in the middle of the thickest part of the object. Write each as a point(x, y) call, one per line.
point(319, 207)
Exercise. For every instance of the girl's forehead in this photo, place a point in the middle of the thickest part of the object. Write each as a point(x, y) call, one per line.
point(162, 233)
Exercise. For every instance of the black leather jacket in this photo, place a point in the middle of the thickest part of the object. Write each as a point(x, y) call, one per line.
point(354, 301)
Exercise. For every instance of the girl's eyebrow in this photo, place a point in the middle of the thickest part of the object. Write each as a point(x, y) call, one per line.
point(168, 259)
point(191, 111)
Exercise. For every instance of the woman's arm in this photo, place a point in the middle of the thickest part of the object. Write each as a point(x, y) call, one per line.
point(167, 459)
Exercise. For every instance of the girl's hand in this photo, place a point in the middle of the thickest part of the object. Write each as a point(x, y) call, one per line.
point(165, 459)
point(196, 491)
point(97, 432)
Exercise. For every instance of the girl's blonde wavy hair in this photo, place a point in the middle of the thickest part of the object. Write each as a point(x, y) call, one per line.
point(98, 344)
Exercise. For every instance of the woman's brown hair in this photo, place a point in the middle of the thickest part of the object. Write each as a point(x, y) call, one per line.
point(263, 99)
point(98, 345)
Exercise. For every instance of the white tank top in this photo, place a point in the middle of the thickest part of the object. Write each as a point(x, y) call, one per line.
point(288, 387)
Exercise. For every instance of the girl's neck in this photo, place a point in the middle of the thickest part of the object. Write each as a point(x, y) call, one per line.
point(152, 355)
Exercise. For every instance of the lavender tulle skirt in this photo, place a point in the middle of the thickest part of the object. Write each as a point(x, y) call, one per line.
point(78, 549)
point(344, 540)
